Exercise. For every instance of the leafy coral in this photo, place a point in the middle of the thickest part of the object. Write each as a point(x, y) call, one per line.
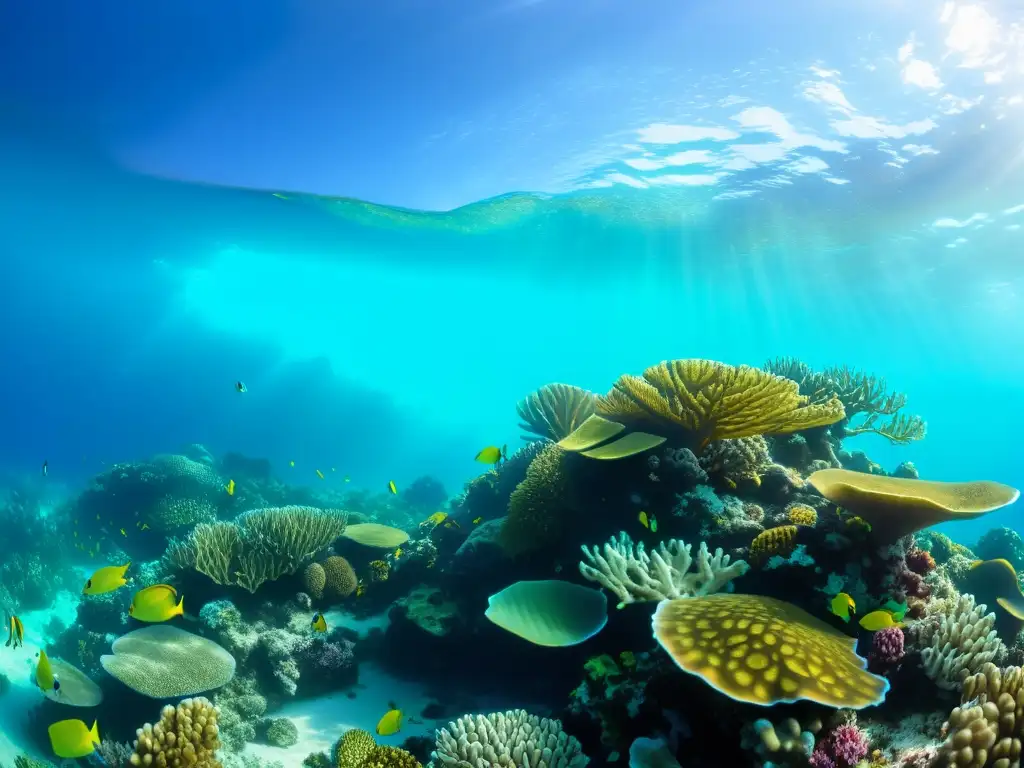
point(554, 411)
point(699, 401)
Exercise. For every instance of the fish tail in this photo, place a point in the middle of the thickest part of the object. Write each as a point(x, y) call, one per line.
point(94, 732)
point(179, 610)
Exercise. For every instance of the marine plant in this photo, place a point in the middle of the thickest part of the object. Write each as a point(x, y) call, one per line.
point(554, 411)
point(260, 546)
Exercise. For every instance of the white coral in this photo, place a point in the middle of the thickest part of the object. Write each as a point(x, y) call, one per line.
point(512, 739)
point(634, 576)
point(963, 640)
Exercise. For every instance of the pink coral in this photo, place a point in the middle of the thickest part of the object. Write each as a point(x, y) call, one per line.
point(844, 747)
point(887, 646)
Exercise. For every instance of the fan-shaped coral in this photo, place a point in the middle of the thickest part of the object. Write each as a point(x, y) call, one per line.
point(512, 738)
point(765, 651)
point(695, 402)
point(896, 506)
point(554, 411)
point(187, 735)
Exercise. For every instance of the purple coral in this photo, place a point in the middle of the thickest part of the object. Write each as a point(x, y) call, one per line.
point(844, 747)
point(887, 646)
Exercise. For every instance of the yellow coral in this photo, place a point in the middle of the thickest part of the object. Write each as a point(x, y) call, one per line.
point(765, 651)
point(699, 401)
point(537, 505)
point(780, 541)
point(354, 748)
point(390, 757)
point(379, 570)
point(315, 579)
point(187, 735)
point(801, 514)
point(554, 411)
point(339, 577)
point(896, 506)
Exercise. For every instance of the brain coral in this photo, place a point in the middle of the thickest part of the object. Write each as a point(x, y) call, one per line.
point(164, 662)
point(764, 651)
point(512, 738)
point(187, 735)
point(801, 514)
point(314, 578)
point(339, 578)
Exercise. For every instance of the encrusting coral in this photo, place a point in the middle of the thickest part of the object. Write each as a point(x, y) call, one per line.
point(896, 506)
point(512, 738)
point(634, 576)
point(959, 643)
point(554, 411)
point(260, 546)
point(700, 401)
point(187, 735)
point(764, 651)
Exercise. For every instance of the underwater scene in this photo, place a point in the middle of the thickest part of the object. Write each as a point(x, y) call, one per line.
point(512, 384)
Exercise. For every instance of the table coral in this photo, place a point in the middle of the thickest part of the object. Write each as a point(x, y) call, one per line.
point(765, 651)
point(634, 576)
point(187, 735)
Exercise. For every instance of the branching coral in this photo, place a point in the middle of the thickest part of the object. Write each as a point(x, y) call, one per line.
point(187, 735)
point(262, 545)
point(634, 576)
point(959, 643)
point(554, 411)
point(512, 738)
point(700, 401)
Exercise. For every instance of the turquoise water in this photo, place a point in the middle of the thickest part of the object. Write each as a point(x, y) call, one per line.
point(856, 204)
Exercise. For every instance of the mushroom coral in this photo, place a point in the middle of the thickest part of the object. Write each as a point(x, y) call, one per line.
point(897, 506)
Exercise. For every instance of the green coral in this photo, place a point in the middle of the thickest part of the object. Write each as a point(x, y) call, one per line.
point(600, 667)
point(262, 545)
point(282, 732)
point(537, 505)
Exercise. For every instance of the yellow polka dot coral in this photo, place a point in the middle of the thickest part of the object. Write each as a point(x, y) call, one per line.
point(764, 651)
point(187, 735)
point(780, 541)
point(354, 747)
point(339, 578)
point(801, 514)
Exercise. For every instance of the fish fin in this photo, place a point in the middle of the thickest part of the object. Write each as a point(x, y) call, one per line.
point(94, 732)
point(179, 610)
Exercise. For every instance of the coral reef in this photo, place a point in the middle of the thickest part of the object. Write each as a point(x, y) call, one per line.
point(957, 643)
point(187, 735)
point(507, 738)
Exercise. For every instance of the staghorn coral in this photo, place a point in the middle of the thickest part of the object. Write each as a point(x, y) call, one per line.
point(896, 507)
point(260, 546)
point(801, 514)
point(780, 541)
point(535, 508)
point(699, 401)
point(187, 735)
point(764, 651)
point(959, 642)
point(554, 411)
point(339, 578)
point(634, 576)
point(507, 739)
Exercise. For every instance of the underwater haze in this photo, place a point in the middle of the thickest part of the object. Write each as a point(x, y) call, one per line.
point(322, 251)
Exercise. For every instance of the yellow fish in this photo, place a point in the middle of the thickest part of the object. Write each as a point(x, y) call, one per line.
point(320, 474)
point(319, 624)
point(291, 463)
point(392, 487)
point(44, 674)
point(230, 487)
point(492, 454)
point(391, 723)
point(841, 606)
point(155, 604)
point(649, 522)
point(879, 620)
point(436, 519)
point(123, 533)
point(476, 520)
point(360, 589)
point(398, 553)
point(106, 579)
point(73, 738)
point(16, 633)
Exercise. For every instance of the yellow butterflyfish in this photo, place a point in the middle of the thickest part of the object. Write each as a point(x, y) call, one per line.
point(841, 605)
point(123, 533)
point(492, 454)
point(15, 633)
point(391, 723)
point(476, 520)
point(230, 487)
point(106, 579)
point(155, 604)
point(319, 623)
point(44, 674)
point(73, 738)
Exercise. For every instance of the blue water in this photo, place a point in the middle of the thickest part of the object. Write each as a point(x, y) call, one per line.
point(394, 224)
